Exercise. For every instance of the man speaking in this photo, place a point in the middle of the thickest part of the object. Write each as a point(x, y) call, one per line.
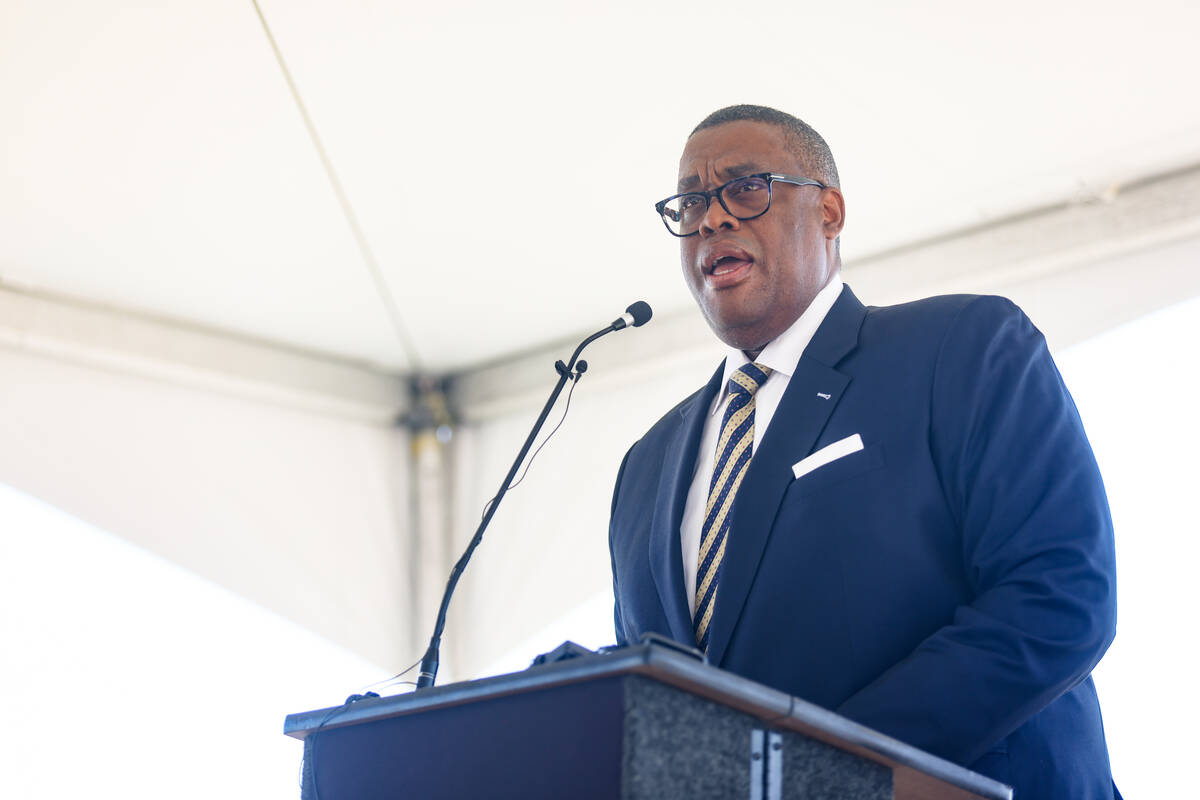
point(890, 512)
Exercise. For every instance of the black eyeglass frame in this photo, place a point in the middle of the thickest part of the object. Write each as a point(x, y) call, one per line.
point(769, 177)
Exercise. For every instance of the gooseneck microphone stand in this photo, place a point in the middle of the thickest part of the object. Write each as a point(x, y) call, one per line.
point(637, 314)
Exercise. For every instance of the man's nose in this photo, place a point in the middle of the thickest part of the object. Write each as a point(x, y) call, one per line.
point(717, 218)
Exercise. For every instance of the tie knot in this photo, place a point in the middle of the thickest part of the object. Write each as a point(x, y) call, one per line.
point(748, 379)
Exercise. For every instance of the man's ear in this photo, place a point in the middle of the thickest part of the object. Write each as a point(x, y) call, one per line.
point(833, 212)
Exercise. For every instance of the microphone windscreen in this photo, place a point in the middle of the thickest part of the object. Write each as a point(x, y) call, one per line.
point(641, 313)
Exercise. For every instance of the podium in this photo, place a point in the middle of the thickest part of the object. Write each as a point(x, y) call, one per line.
point(640, 722)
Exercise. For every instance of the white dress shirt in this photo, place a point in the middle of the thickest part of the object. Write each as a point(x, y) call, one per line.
point(781, 355)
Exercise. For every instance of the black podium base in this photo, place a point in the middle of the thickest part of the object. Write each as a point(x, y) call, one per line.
point(625, 737)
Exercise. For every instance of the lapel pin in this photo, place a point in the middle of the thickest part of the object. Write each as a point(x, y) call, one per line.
point(823, 396)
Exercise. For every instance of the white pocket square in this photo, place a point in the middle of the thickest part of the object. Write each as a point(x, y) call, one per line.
point(831, 452)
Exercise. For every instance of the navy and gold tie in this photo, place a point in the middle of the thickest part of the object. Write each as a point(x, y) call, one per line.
point(733, 455)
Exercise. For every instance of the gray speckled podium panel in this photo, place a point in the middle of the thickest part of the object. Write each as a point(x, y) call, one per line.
point(680, 746)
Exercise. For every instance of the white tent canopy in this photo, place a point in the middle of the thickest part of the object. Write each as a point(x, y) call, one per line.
point(497, 163)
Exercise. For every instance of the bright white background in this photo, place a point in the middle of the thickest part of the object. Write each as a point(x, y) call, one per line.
point(126, 676)
point(1136, 387)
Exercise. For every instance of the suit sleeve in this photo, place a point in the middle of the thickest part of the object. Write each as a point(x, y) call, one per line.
point(618, 625)
point(1037, 546)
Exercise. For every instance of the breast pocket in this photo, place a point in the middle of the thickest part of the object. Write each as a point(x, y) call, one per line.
point(847, 468)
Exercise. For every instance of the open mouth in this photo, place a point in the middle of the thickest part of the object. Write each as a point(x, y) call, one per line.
point(726, 266)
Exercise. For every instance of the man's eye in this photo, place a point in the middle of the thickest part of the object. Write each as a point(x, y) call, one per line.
point(748, 186)
point(689, 202)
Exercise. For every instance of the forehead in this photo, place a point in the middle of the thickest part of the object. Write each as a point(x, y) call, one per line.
point(734, 148)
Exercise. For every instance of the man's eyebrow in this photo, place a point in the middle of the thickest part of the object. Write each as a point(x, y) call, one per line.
point(735, 171)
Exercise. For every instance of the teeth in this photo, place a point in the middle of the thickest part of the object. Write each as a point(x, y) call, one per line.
point(720, 264)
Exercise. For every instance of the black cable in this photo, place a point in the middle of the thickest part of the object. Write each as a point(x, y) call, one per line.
point(388, 681)
point(529, 463)
point(566, 372)
point(550, 435)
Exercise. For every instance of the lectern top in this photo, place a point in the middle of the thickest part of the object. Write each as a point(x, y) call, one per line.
point(916, 773)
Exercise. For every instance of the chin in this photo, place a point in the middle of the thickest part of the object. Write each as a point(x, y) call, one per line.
point(738, 338)
point(739, 321)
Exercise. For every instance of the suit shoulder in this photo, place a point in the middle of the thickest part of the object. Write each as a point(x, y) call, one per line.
point(936, 316)
point(945, 308)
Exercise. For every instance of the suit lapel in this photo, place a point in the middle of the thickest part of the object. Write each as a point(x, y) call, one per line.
point(679, 462)
point(812, 395)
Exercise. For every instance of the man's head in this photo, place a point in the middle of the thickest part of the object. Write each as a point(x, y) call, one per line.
point(754, 277)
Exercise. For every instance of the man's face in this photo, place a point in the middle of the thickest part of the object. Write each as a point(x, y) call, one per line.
point(754, 278)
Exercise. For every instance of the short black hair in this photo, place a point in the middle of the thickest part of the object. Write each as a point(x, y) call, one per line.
point(804, 142)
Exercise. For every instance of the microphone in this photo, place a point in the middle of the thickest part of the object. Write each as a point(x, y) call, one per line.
point(637, 314)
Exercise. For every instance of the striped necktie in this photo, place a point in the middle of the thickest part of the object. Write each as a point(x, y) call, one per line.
point(734, 449)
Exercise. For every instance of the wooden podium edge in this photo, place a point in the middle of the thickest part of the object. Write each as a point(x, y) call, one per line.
point(915, 773)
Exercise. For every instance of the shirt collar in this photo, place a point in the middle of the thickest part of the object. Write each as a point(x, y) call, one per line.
point(784, 351)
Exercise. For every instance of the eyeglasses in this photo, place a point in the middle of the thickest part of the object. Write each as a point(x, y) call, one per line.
point(744, 198)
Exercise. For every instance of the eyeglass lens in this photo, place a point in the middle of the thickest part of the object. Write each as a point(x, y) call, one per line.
point(743, 198)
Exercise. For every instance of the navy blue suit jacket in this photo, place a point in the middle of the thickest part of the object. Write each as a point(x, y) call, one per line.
point(952, 584)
